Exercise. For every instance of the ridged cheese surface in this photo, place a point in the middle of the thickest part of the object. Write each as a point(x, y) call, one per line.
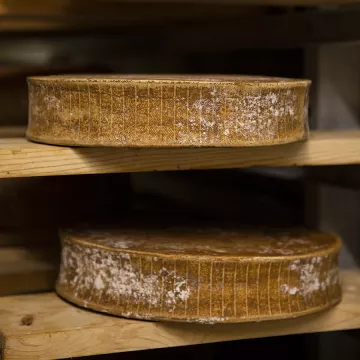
point(167, 111)
point(205, 276)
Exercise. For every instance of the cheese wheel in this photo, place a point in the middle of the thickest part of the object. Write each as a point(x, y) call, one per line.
point(204, 276)
point(167, 111)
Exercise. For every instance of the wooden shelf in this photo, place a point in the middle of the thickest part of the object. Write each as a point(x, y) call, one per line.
point(24, 270)
point(55, 329)
point(21, 158)
point(29, 260)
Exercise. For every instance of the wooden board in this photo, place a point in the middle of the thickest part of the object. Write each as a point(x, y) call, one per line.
point(29, 259)
point(27, 269)
point(45, 327)
point(200, 274)
point(20, 158)
point(26, 277)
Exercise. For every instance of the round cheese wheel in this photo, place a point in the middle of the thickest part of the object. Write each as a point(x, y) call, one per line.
point(167, 111)
point(204, 276)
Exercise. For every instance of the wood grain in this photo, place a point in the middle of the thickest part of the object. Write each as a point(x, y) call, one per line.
point(59, 330)
point(20, 158)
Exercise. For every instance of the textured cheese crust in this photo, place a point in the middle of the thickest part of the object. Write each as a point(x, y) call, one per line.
point(167, 111)
point(205, 276)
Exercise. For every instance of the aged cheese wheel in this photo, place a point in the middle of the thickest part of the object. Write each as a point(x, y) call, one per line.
point(205, 276)
point(167, 111)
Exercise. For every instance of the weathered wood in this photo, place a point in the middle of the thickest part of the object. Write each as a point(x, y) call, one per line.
point(46, 327)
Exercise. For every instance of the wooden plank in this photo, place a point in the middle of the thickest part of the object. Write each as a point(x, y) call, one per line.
point(24, 269)
point(29, 259)
point(26, 277)
point(12, 131)
point(20, 158)
point(45, 327)
point(13, 254)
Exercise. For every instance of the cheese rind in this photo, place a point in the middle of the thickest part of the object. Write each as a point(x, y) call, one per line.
point(167, 111)
point(200, 276)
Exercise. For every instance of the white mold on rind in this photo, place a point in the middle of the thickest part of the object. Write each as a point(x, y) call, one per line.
point(200, 287)
point(158, 112)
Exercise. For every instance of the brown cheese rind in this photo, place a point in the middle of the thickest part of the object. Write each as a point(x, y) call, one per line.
point(178, 111)
point(275, 277)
